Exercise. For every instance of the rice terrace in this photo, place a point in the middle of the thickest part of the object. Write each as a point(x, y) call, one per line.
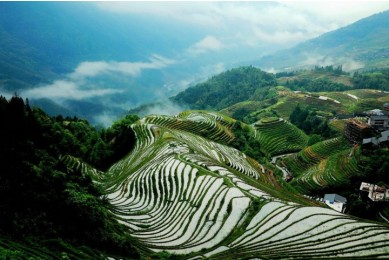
point(204, 199)
point(194, 130)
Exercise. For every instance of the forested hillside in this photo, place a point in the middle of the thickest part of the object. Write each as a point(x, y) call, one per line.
point(52, 208)
point(227, 88)
point(249, 94)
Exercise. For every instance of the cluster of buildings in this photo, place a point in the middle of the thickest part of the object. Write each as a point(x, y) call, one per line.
point(374, 132)
point(375, 192)
point(370, 133)
point(372, 191)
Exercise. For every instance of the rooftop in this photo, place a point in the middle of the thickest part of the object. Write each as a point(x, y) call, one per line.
point(359, 124)
point(335, 198)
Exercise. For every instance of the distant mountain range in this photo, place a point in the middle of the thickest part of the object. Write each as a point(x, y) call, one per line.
point(361, 45)
point(41, 41)
point(98, 65)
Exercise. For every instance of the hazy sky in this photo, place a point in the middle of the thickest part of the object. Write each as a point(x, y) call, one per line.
point(231, 24)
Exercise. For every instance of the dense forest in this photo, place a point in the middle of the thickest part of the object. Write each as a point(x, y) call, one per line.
point(374, 79)
point(226, 89)
point(308, 121)
point(43, 201)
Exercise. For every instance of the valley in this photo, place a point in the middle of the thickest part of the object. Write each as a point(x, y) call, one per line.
point(220, 130)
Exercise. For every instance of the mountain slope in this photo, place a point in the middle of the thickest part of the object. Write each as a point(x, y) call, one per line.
point(184, 194)
point(40, 41)
point(362, 44)
point(70, 52)
point(226, 89)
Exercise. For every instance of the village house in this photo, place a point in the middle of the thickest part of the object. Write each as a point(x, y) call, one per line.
point(374, 112)
point(379, 122)
point(386, 109)
point(335, 202)
point(375, 192)
point(383, 140)
point(356, 131)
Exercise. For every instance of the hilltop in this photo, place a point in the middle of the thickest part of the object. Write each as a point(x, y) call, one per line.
point(248, 93)
point(226, 89)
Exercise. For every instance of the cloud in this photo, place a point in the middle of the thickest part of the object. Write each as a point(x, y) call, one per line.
point(270, 70)
point(95, 68)
point(162, 107)
point(351, 65)
point(348, 64)
point(5, 94)
point(90, 69)
point(317, 60)
point(266, 24)
point(64, 89)
point(209, 43)
point(219, 68)
point(106, 85)
point(80, 84)
point(339, 13)
point(192, 12)
point(106, 118)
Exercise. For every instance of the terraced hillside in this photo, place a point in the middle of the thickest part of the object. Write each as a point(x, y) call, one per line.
point(184, 194)
point(325, 164)
point(279, 136)
point(210, 125)
point(326, 104)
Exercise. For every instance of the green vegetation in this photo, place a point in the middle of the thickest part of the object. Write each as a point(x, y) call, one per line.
point(187, 196)
point(334, 79)
point(227, 88)
point(210, 125)
point(310, 122)
point(376, 163)
point(319, 79)
point(45, 203)
point(279, 137)
point(301, 163)
point(248, 94)
point(376, 79)
point(245, 141)
point(181, 192)
point(332, 166)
